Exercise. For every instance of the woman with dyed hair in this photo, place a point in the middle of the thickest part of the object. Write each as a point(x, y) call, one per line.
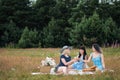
point(97, 58)
point(65, 61)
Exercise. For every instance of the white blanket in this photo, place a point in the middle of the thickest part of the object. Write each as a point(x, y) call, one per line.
point(80, 72)
point(69, 73)
point(72, 72)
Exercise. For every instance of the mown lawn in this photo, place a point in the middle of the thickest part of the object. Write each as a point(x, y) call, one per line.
point(18, 64)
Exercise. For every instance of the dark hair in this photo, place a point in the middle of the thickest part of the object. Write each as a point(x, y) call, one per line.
point(97, 48)
point(83, 48)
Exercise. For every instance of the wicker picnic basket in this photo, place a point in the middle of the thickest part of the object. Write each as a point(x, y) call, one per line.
point(45, 69)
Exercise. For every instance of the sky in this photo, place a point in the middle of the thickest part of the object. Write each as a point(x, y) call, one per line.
point(32, 0)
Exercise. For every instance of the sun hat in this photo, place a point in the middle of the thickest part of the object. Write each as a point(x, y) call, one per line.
point(65, 47)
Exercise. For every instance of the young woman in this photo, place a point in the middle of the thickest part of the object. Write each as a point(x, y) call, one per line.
point(65, 61)
point(79, 64)
point(97, 58)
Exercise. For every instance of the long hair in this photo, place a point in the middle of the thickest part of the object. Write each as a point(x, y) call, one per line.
point(83, 48)
point(97, 48)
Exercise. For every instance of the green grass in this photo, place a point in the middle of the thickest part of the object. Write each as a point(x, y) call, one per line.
point(18, 64)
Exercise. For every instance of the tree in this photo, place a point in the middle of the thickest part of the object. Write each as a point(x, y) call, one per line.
point(93, 31)
point(77, 33)
point(16, 10)
point(48, 39)
point(110, 30)
point(24, 40)
point(9, 34)
point(88, 31)
point(43, 12)
point(59, 22)
point(28, 39)
point(55, 34)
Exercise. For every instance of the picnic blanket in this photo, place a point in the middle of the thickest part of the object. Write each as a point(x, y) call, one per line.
point(72, 72)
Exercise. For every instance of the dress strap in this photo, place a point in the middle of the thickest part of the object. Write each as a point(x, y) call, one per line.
point(100, 54)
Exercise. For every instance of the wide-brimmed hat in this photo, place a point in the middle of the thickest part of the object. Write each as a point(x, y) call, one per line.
point(65, 47)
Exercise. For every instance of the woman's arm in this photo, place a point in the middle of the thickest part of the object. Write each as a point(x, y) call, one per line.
point(103, 62)
point(88, 60)
point(86, 57)
point(67, 63)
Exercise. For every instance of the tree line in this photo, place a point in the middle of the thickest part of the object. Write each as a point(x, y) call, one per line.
point(54, 23)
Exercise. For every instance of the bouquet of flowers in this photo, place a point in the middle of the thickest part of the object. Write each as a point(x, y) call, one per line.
point(48, 62)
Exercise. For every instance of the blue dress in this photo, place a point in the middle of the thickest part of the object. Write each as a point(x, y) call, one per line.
point(79, 65)
point(97, 62)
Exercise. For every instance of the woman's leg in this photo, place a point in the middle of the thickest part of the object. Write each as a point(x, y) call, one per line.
point(59, 71)
point(62, 70)
point(70, 67)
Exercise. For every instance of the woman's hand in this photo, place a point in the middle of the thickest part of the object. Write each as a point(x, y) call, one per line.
point(75, 59)
point(85, 61)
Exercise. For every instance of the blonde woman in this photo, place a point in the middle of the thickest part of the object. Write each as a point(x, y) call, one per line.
point(65, 61)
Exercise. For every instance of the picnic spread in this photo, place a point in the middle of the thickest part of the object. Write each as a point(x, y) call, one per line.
point(48, 67)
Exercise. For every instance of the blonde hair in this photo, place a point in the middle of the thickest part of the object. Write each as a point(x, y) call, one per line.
point(65, 52)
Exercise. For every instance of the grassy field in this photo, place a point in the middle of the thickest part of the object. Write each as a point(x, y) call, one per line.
point(18, 64)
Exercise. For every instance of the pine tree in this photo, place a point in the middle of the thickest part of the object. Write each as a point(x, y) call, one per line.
point(28, 39)
point(16, 10)
point(77, 33)
point(87, 32)
point(49, 33)
point(43, 9)
point(110, 30)
point(93, 31)
point(24, 40)
point(10, 34)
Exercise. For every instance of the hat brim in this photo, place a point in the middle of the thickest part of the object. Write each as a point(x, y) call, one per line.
point(61, 51)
